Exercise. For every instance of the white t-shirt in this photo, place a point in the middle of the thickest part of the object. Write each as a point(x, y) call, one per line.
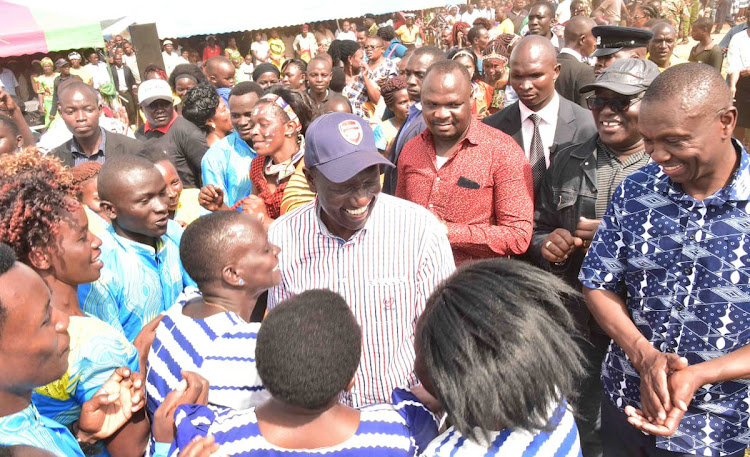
point(346, 35)
point(261, 49)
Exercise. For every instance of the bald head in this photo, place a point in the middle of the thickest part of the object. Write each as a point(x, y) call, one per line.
point(577, 27)
point(460, 80)
point(691, 86)
point(534, 48)
point(66, 90)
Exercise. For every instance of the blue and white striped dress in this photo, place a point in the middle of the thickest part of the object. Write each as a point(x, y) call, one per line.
point(221, 348)
point(401, 429)
point(563, 441)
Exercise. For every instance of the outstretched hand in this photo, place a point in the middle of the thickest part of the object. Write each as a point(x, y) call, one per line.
point(112, 406)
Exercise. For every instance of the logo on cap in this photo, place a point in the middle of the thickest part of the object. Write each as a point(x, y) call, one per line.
point(351, 131)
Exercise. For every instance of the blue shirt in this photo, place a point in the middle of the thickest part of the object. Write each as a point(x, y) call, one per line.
point(137, 282)
point(398, 52)
point(96, 351)
point(27, 427)
point(683, 267)
point(401, 429)
point(226, 165)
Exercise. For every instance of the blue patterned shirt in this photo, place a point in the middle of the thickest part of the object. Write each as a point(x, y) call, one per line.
point(137, 282)
point(226, 165)
point(27, 427)
point(682, 266)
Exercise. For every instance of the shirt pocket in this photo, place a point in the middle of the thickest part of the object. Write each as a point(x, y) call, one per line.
point(387, 316)
point(470, 202)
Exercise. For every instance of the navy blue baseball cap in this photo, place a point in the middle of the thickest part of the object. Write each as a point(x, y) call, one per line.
point(340, 145)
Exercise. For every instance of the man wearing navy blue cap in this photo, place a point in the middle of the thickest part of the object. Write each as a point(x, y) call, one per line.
point(384, 255)
point(615, 43)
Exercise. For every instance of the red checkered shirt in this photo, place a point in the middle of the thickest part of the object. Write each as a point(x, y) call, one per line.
point(483, 193)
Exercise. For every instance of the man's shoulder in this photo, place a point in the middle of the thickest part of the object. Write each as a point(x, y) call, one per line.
point(503, 116)
point(583, 117)
point(63, 150)
point(397, 209)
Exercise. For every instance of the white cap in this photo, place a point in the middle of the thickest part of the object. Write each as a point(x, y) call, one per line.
point(154, 89)
point(166, 42)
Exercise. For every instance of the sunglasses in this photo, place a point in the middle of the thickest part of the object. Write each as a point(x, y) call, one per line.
point(618, 105)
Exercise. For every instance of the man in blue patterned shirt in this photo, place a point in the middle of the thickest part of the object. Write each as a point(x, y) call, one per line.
point(667, 278)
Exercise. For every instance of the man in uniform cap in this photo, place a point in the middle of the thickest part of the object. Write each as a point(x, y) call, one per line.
point(615, 43)
point(571, 201)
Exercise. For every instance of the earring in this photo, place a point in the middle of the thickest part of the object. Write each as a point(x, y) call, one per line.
point(213, 126)
point(242, 282)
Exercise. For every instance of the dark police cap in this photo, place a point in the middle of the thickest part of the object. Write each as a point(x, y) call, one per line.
point(612, 38)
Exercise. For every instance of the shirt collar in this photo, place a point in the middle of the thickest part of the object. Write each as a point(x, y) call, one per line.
point(738, 188)
point(548, 113)
point(238, 143)
point(27, 417)
point(164, 129)
point(573, 53)
point(76, 150)
point(136, 247)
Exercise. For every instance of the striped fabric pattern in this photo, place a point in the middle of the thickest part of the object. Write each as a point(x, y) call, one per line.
point(400, 429)
point(385, 272)
point(221, 348)
point(563, 441)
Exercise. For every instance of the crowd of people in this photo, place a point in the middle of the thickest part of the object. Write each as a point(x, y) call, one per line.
point(502, 229)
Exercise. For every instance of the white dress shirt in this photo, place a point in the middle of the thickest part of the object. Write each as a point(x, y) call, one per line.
point(123, 86)
point(547, 125)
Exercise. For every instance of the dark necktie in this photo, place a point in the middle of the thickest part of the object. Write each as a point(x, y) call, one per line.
point(536, 153)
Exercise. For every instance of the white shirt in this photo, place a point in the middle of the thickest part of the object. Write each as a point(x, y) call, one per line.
point(547, 125)
point(563, 11)
point(469, 18)
point(99, 73)
point(262, 49)
point(738, 53)
point(385, 279)
point(346, 35)
point(573, 53)
point(122, 85)
point(171, 61)
point(8, 81)
point(132, 63)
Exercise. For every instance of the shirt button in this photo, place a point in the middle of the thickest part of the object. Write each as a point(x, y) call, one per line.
point(680, 308)
point(692, 237)
point(430, 205)
point(437, 179)
point(687, 271)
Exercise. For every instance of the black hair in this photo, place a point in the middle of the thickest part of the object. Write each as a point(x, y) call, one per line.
point(496, 344)
point(207, 242)
point(186, 70)
point(386, 33)
point(299, 101)
point(338, 79)
point(7, 260)
point(299, 63)
point(547, 5)
point(199, 104)
point(474, 33)
point(308, 349)
point(246, 87)
point(78, 85)
point(704, 23)
point(436, 53)
point(341, 50)
point(651, 11)
point(115, 170)
point(451, 68)
point(265, 67)
point(696, 85)
point(9, 123)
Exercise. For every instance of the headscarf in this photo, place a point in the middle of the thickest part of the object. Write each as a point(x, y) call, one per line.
point(47, 61)
point(265, 67)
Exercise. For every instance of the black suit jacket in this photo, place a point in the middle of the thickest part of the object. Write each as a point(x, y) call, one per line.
point(574, 74)
point(574, 124)
point(129, 79)
point(115, 145)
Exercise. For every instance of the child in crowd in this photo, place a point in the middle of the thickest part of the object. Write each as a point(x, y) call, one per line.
point(308, 351)
point(396, 98)
point(495, 347)
point(85, 175)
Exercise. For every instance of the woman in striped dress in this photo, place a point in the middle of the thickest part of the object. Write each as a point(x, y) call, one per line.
point(308, 350)
point(209, 330)
point(494, 346)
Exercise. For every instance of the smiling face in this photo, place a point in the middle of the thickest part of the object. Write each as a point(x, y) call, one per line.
point(618, 130)
point(268, 129)
point(345, 207)
point(240, 113)
point(173, 182)
point(34, 341)
point(221, 121)
point(446, 105)
point(74, 255)
point(683, 141)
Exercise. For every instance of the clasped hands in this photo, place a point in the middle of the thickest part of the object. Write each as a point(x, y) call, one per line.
point(668, 385)
point(560, 244)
